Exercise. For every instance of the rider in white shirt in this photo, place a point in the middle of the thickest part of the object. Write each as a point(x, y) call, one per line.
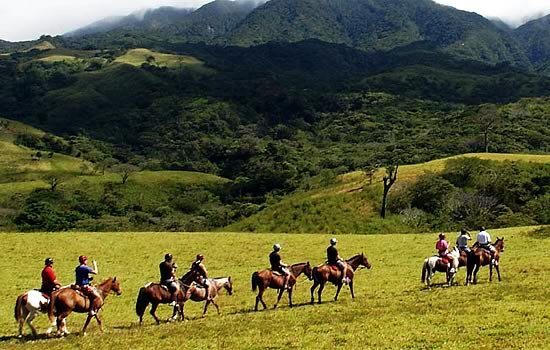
point(484, 241)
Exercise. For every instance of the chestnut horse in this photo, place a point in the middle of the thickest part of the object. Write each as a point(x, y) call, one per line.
point(327, 273)
point(481, 257)
point(267, 278)
point(155, 294)
point(66, 300)
point(197, 293)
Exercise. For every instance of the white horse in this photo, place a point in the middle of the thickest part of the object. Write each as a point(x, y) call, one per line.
point(27, 306)
point(433, 264)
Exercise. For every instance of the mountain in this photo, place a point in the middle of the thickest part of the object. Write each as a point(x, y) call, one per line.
point(150, 19)
point(379, 25)
point(535, 37)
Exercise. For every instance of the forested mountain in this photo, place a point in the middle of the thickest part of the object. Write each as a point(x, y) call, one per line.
point(535, 37)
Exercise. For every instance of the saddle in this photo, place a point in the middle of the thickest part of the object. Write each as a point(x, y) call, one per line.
point(276, 273)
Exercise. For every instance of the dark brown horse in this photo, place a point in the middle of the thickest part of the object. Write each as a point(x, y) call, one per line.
point(264, 279)
point(481, 257)
point(155, 294)
point(67, 300)
point(328, 273)
point(197, 293)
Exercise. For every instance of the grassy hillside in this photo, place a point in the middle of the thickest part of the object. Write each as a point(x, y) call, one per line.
point(350, 205)
point(392, 309)
point(137, 57)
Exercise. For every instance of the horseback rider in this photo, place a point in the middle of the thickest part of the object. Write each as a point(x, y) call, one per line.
point(442, 247)
point(83, 280)
point(484, 241)
point(202, 275)
point(168, 277)
point(334, 259)
point(462, 241)
point(49, 279)
point(279, 266)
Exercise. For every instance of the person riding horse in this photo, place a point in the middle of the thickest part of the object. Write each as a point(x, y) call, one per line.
point(333, 259)
point(202, 275)
point(462, 241)
point(49, 279)
point(277, 264)
point(83, 280)
point(442, 247)
point(484, 241)
point(168, 277)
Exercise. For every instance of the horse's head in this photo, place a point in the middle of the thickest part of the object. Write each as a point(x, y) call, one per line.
point(115, 286)
point(229, 286)
point(455, 254)
point(364, 261)
point(499, 244)
point(308, 271)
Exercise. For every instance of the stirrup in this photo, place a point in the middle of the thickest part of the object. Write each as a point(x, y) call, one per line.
point(172, 303)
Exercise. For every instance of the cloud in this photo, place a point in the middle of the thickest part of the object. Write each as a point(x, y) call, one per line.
point(513, 12)
point(28, 19)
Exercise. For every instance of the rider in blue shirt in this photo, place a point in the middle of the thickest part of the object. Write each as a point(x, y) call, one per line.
point(83, 280)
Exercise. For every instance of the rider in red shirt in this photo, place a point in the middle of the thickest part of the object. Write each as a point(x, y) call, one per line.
point(49, 279)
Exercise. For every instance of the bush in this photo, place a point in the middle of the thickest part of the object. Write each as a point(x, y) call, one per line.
point(43, 216)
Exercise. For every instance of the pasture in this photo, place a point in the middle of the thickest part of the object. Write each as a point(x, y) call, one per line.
point(137, 57)
point(392, 309)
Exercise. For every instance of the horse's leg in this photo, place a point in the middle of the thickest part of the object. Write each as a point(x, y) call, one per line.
point(22, 320)
point(320, 292)
point(205, 308)
point(62, 323)
point(261, 297)
point(175, 311)
point(88, 319)
point(351, 289)
point(279, 295)
point(153, 312)
point(216, 305)
point(476, 270)
point(99, 322)
point(338, 291)
point(290, 297)
point(491, 272)
point(30, 317)
point(498, 272)
point(313, 287)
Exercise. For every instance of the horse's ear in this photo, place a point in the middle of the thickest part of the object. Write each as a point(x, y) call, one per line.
point(114, 279)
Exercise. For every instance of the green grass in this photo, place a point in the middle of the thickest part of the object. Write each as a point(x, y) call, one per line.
point(351, 204)
point(392, 310)
point(58, 58)
point(137, 57)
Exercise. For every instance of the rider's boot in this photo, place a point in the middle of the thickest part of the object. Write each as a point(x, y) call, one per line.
point(286, 284)
point(173, 299)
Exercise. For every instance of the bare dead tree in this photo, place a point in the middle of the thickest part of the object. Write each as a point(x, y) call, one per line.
point(389, 179)
point(487, 119)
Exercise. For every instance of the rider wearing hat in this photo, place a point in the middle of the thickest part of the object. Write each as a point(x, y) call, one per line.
point(484, 240)
point(334, 259)
point(202, 275)
point(49, 279)
point(277, 264)
point(462, 241)
point(83, 280)
point(168, 277)
point(442, 247)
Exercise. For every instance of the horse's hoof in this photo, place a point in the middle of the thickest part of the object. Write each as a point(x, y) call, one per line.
point(20, 336)
point(84, 334)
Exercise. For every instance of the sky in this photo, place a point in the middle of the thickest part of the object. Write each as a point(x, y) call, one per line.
point(28, 19)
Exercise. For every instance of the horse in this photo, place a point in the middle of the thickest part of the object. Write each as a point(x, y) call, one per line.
point(263, 279)
point(155, 294)
point(66, 300)
point(327, 273)
point(481, 257)
point(197, 293)
point(29, 305)
point(434, 263)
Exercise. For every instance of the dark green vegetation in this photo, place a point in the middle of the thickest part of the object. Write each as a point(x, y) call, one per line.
point(346, 86)
point(392, 309)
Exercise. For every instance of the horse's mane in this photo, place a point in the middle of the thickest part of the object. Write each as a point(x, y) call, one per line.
point(107, 280)
point(353, 257)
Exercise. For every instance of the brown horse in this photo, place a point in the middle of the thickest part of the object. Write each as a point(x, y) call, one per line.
point(481, 257)
point(155, 294)
point(197, 293)
point(327, 273)
point(67, 300)
point(264, 279)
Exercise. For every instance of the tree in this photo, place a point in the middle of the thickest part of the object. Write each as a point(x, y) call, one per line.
point(54, 181)
point(125, 171)
point(389, 179)
point(487, 118)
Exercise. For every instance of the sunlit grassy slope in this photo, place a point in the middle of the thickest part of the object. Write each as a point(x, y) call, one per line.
point(392, 309)
point(350, 204)
point(137, 57)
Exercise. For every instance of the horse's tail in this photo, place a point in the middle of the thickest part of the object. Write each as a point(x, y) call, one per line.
point(141, 302)
point(424, 270)
point(18, 311)
point(255, 281)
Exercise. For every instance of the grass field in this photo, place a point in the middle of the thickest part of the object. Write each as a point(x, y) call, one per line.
point(392, 310)
point(137, 57)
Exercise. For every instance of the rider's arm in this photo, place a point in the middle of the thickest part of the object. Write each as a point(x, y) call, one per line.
point(94, 270)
